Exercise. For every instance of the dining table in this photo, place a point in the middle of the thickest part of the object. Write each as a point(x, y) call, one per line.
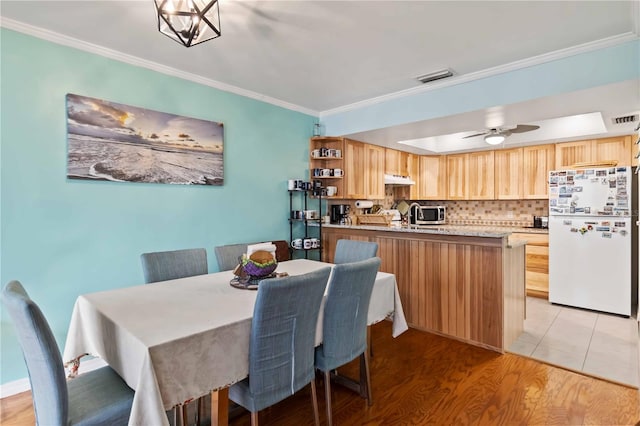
point(175, 341)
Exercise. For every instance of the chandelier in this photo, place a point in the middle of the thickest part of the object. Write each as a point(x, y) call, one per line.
point(189, 22)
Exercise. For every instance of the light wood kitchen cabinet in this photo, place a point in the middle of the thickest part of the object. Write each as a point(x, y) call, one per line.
point(508, 174)
point(471, 176)
point(432, 180)
point(457, 177)
point(374, 172)
point(413, 169)
point(616, 149)
point(537, 162)
point(391, 161)
point(481, 174)
point(354, 169)
point(395, 162)
point(569, 153)
point(594, 150)
point(536, 263)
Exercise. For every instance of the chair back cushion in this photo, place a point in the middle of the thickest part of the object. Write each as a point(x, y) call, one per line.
point(41, 354)
point(283, 329)
point(344, 325)
point(171, 265)
point(348, 251)
point(229, 256)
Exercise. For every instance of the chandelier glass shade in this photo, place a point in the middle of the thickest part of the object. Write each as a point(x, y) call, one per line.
point(189, 22)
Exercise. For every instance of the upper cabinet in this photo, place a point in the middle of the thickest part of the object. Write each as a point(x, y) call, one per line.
point(537, 161)
point(569, 153)
point(374, 172)
point(509, 174)
point(481, 175)
point(470, 176)
point(396, 162)
point(594, 150)
point(616, 149)
point(354, 167)
point(364, 171)
point(413, 169)
point(432, 180)
point(457, 177)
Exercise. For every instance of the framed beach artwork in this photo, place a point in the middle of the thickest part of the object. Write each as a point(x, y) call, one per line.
point(122, 143)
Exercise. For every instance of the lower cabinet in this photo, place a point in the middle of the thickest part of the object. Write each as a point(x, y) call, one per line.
point(536, 263)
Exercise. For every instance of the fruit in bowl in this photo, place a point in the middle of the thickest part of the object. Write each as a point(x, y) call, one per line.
point(260, 264)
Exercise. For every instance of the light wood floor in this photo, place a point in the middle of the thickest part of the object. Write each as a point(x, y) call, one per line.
point(423, 379)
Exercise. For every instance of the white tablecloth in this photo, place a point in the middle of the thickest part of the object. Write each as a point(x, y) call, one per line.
point(177, 340)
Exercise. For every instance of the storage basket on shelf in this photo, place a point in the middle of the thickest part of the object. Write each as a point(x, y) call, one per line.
point(374, 219)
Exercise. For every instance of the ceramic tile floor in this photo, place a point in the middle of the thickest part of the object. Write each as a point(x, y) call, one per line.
point(597, 344)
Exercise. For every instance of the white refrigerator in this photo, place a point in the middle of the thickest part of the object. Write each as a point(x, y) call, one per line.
point(590, 238)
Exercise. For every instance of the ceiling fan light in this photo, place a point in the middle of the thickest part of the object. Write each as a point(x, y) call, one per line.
point(189, 22)
point(494, 139)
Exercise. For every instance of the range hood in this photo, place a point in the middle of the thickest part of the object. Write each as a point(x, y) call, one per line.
point(397, 180)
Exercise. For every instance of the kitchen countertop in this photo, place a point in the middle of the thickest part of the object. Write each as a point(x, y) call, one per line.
point(461, 230)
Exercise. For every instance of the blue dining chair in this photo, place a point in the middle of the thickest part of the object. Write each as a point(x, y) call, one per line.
point(348, 251)
point(353, 251)
point(281, 346)
point(344, 326)
point(98, 397)
point(228, 256)
point(171, 265)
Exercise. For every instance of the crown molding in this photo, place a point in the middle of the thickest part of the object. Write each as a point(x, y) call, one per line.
point(489, 72)
point(75, 43)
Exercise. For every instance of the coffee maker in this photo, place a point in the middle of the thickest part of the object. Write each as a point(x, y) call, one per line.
point(340, 214)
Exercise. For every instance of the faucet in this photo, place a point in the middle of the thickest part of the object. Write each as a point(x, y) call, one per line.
point(419, 215)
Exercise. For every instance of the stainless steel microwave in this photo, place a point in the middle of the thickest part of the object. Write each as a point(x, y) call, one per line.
point(428, 215)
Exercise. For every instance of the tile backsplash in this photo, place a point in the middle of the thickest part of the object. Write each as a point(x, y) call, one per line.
point(479, 212)
point(493, 212)
point(487, 212)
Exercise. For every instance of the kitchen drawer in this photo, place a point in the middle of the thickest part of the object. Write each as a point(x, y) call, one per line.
point(537, 262)
point(534, 239)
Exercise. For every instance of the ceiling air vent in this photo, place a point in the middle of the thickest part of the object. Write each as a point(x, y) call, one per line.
point(433, 76)
point(625, 119)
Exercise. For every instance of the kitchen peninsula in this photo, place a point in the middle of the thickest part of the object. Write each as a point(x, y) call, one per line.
point(460, 282)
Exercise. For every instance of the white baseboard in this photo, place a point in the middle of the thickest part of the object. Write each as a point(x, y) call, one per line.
point(22, 385)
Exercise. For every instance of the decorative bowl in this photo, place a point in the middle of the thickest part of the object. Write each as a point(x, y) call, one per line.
point(256, 269)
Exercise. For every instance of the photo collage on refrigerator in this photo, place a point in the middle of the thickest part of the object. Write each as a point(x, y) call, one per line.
point(591, 192)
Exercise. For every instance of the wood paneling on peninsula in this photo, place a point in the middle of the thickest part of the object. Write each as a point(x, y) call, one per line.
point(468, 288)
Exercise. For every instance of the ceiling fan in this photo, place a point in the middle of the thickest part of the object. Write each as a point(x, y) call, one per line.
point(496, 135)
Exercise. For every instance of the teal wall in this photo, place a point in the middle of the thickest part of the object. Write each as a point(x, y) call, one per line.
point(63, 237)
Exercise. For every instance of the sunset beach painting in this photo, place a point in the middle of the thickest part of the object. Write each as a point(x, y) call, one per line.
point(122, 143)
